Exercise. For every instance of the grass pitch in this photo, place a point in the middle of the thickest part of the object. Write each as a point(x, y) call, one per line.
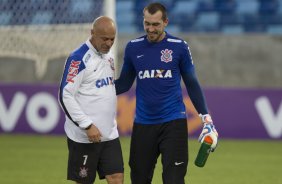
point(37, 159)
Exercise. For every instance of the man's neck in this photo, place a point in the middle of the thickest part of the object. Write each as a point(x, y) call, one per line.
point(162, 36)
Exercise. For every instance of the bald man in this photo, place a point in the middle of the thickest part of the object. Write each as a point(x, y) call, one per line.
point(87, 96)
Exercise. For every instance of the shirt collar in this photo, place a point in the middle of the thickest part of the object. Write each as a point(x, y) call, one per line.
point(89, 44)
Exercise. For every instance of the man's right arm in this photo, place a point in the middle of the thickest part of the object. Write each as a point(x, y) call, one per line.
point(127, 75)
point(71, 80)
point(124, 82)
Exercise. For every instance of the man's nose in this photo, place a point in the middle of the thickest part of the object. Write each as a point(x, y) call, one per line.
point(150, 28)
point(109, 43)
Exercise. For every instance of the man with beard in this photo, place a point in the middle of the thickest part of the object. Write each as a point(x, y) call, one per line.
point(158, 60)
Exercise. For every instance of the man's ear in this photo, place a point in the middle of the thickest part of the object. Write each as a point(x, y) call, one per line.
point(166, 22)
point(92, 32)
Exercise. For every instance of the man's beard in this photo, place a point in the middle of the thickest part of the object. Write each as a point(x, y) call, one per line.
point(157, 34)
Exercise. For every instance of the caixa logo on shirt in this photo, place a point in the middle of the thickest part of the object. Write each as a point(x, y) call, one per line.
point(73, 70)
point(104, 82)
point(154, 74)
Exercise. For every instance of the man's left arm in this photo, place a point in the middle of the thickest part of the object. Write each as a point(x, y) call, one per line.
point(198, 99)
point(196, 94)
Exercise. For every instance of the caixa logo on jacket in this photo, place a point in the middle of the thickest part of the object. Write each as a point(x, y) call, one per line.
point(104, 82)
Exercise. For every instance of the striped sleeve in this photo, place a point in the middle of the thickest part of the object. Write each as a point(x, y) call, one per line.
point(71, 81)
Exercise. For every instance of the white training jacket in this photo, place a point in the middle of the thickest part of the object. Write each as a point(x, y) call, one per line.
point(87, 94)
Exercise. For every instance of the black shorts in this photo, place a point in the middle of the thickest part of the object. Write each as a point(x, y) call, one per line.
point(85, 159)
point(169, 139)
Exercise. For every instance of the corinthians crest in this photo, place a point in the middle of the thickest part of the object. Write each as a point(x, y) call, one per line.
point(166, 55)
point(111, 61)
point(83, 172)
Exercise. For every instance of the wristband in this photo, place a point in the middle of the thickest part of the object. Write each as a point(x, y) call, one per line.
point(206, 118)
point(87, 128)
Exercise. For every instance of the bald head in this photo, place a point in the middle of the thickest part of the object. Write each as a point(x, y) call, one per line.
point(104, 24)
point(103, 34)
